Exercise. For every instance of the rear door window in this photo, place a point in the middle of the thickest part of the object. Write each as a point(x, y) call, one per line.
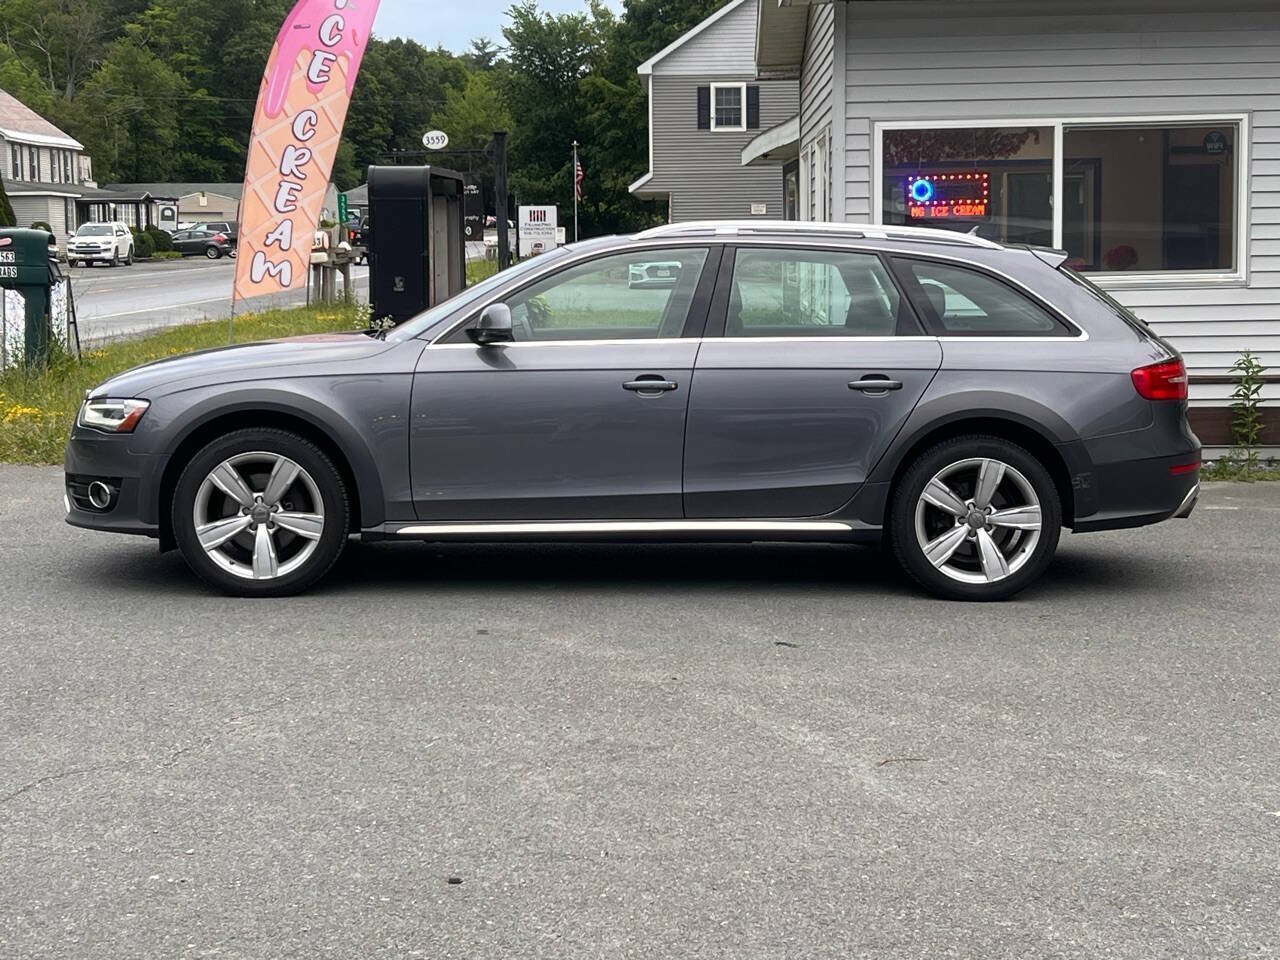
point(783, 292)
point(960, 302)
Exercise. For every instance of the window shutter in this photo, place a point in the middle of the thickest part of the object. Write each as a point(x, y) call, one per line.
point(753, 108)
point(704, 108)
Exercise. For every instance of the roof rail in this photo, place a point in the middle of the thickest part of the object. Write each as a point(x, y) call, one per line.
point(870, 231)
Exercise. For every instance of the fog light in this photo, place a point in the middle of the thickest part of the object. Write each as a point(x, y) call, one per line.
point(100, 495)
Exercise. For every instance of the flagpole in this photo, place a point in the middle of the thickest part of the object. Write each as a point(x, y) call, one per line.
point(574, 177)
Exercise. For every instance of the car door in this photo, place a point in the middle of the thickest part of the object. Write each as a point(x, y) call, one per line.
point(581, 416)
point(812, 362)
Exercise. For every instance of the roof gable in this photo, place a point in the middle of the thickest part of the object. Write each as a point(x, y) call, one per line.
point(19, 122)
point(680, 42)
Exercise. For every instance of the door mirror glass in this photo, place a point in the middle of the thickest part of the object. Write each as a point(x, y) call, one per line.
point(494, 325)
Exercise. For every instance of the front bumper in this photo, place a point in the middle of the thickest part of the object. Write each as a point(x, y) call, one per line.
point(134, 479)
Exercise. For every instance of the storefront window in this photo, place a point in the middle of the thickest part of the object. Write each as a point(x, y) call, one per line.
point(994, 181)
point(1146, 198)
point(1136, 197)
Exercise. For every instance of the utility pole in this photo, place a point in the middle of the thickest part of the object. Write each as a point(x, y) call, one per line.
point(500, 197)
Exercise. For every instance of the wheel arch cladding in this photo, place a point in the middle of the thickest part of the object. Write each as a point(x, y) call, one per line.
point(1004, 426)
point(365, 502)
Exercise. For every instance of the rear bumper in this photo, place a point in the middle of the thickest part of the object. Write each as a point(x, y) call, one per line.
point(1136, 493)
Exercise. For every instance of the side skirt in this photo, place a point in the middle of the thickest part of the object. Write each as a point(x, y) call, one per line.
point(733, 530)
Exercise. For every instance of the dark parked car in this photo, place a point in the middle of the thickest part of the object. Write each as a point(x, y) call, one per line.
point(960, 399)
point(225, 227)
point(194, 243)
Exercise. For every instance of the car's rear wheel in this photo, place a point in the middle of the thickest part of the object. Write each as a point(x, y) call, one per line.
point(128, 258)
point(261, 513)
point(975, 518)
point(213, 253)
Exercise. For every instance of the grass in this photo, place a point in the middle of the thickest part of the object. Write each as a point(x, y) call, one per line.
point(37, 407)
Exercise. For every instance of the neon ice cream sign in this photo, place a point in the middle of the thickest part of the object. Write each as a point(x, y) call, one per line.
point(302, 106)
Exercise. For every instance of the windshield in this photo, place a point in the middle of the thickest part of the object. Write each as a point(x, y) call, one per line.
point(94, 230)
point(424, 321)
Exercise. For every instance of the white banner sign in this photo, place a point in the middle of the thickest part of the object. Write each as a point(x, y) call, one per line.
point(537, 230)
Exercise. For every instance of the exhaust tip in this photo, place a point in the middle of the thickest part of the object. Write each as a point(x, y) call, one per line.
point(100, 495)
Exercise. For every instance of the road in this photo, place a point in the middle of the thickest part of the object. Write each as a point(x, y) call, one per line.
point(649, 751)
point(124, 301)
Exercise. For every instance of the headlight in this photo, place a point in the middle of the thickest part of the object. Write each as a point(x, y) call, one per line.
point(112, 416)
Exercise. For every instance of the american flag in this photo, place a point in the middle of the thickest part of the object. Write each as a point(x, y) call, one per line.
point(578, 177)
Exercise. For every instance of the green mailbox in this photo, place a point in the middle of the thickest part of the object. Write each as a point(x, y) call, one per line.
point(24, 266)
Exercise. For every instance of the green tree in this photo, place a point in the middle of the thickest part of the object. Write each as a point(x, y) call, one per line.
point(133, 105)
point(473, 112)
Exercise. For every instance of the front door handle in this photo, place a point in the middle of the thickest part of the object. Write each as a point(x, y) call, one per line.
point(651, 384)
point(875, 384)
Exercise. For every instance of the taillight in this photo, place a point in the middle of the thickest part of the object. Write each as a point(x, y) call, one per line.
point(220, 238)
point(1164, 381)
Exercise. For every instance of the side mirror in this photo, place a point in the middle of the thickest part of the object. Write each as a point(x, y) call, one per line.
point(494, 326)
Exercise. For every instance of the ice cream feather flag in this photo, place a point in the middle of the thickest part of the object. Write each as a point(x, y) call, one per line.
point(302, 105)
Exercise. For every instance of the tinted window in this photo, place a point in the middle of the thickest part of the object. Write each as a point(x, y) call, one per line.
point(626, 296)
point(779, 292)
point(962, 302)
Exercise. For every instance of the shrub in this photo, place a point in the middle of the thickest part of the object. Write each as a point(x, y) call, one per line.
point(143, 246)
point(1246, 413)
point(162, 241)
point(41, 225)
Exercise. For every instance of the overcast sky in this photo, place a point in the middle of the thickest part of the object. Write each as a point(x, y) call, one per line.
point(454, 23)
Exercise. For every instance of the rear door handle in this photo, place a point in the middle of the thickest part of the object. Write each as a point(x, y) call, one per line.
point(875, 384)
point(654, 384)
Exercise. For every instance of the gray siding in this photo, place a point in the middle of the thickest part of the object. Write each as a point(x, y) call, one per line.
point(816, 72)
point(726, 47)
point(929, 62)
point(27, 210)
point(702, 169)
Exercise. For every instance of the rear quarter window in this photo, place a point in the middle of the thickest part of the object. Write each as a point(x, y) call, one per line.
point(962, 302)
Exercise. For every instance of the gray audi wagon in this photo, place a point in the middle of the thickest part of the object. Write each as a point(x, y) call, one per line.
point(958, 399)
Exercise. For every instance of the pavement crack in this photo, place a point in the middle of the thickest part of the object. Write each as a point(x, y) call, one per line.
point(52, 777)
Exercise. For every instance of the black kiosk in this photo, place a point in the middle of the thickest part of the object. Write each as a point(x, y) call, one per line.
point(417, 254)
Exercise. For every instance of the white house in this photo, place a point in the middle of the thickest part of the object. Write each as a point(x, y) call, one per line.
point(45, 170)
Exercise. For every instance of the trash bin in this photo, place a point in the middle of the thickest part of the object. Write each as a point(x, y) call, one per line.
point(24, 307)
point(417, 256)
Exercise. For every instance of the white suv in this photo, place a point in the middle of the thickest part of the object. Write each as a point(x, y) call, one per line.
point(109, 242)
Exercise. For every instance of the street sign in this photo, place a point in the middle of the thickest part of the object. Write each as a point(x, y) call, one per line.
point(435, 139)
point(537, 230)
point(342, 209)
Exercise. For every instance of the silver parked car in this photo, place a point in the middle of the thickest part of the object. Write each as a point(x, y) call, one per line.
point(961, 400)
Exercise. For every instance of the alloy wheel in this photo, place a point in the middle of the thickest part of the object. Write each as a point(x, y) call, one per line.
point(978, 520)
point(258, 515)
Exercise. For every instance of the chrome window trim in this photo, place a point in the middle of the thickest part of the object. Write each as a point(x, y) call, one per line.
point(791, 242)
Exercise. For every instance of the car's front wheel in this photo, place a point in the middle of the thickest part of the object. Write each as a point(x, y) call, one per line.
point(975, 518)
point(261, 513)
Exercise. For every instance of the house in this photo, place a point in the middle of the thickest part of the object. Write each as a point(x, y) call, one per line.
point(706, 104)
point(44, 169)
point(169, 204)
point(1144, 139)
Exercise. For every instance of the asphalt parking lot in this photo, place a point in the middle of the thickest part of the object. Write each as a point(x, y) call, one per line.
point(650, 751)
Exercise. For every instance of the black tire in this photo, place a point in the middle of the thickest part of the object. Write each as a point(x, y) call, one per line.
point(128, 258)
point(213, 253)
point(115, 258)
point(328, 481)
point(907, 495)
